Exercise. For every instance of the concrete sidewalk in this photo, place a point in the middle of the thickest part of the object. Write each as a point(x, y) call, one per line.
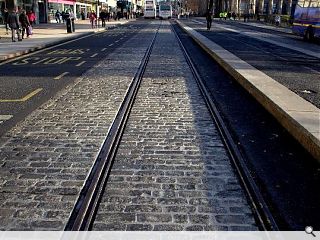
point(45, 35)
point(261, 24)
point(254, 23)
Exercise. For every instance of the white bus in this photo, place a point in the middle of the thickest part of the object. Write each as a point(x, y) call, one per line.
point(150, 9)
point(165, 11)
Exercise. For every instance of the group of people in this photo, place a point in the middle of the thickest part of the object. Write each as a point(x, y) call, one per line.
point(104, 16)
point(63, 16)
point(227, 15)
point(222, 15)
point(19, 22)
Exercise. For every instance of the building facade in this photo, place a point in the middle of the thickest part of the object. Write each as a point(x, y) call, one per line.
point(254, 7)
point(45, 9)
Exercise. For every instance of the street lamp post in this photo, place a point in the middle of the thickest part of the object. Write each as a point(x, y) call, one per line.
point(97, 12)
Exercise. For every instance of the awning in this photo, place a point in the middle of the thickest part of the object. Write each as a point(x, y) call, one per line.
point(62, 1)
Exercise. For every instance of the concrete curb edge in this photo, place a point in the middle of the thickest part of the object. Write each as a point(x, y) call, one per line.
point(308, 140)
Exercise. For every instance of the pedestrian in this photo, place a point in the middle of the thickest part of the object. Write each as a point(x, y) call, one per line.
point(32, 18)
point(13, 22)
point(63, 16)
point(229, 15)
point(72, 18)
point(103, 17)
point(233, 15)
point(209, 20)
point(93, 19)
point(25, 23)
point(108, 16)
point(58, 16)
point(83, 16)
point(245, 17)
point(277, 20)
point(5, 20)
point(118, 15)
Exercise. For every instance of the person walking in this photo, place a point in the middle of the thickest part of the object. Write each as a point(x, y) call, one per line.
point(103, 16)
point(233, 15)
point(58, 16)
point(13, 22)
point(108, 16)
point(209, 20)
point(32, 18)
point(83, 16)
point(25, 24)
point(277, 20)
point(5, 20)
point(93, 19)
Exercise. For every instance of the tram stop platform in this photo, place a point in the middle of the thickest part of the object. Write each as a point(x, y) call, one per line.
point(300, 117)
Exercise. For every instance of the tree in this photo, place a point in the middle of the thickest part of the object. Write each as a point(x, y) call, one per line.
point(270, 5)
point(210, 5)
point(259, 6)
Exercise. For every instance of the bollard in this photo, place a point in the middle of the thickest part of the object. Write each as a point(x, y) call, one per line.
point(72, 25)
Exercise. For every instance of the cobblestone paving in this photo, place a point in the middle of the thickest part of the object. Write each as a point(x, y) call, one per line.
point(172, 171)
point(45, 159)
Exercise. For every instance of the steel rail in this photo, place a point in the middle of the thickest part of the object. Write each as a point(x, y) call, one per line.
point(261, 211)
point(83, 214)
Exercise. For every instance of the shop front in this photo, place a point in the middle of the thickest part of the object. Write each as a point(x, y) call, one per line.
point(61, 6)
point(83, 9)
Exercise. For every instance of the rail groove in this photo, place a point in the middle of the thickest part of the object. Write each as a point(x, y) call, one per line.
point(84, 211)
point(261, 211)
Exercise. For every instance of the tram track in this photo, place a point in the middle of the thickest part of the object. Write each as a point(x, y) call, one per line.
point(83, 214)
point(262, 213)
point(272, 157)
point(86, 209)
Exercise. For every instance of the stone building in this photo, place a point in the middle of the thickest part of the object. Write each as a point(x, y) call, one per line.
point(253, 7)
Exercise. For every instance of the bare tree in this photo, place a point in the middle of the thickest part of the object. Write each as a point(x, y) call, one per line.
point(259, 6)
point(210, 6)
point(289, 6)
point(270, 5)
point(279, 6)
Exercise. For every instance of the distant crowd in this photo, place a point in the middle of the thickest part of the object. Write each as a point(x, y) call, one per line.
point(104, 16)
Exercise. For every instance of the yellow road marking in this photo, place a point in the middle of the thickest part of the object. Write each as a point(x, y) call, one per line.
point(5, 117)
point(43, 50)
point(94, 55)
point(61, 76)
point(25, 98)
point(79, 64)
